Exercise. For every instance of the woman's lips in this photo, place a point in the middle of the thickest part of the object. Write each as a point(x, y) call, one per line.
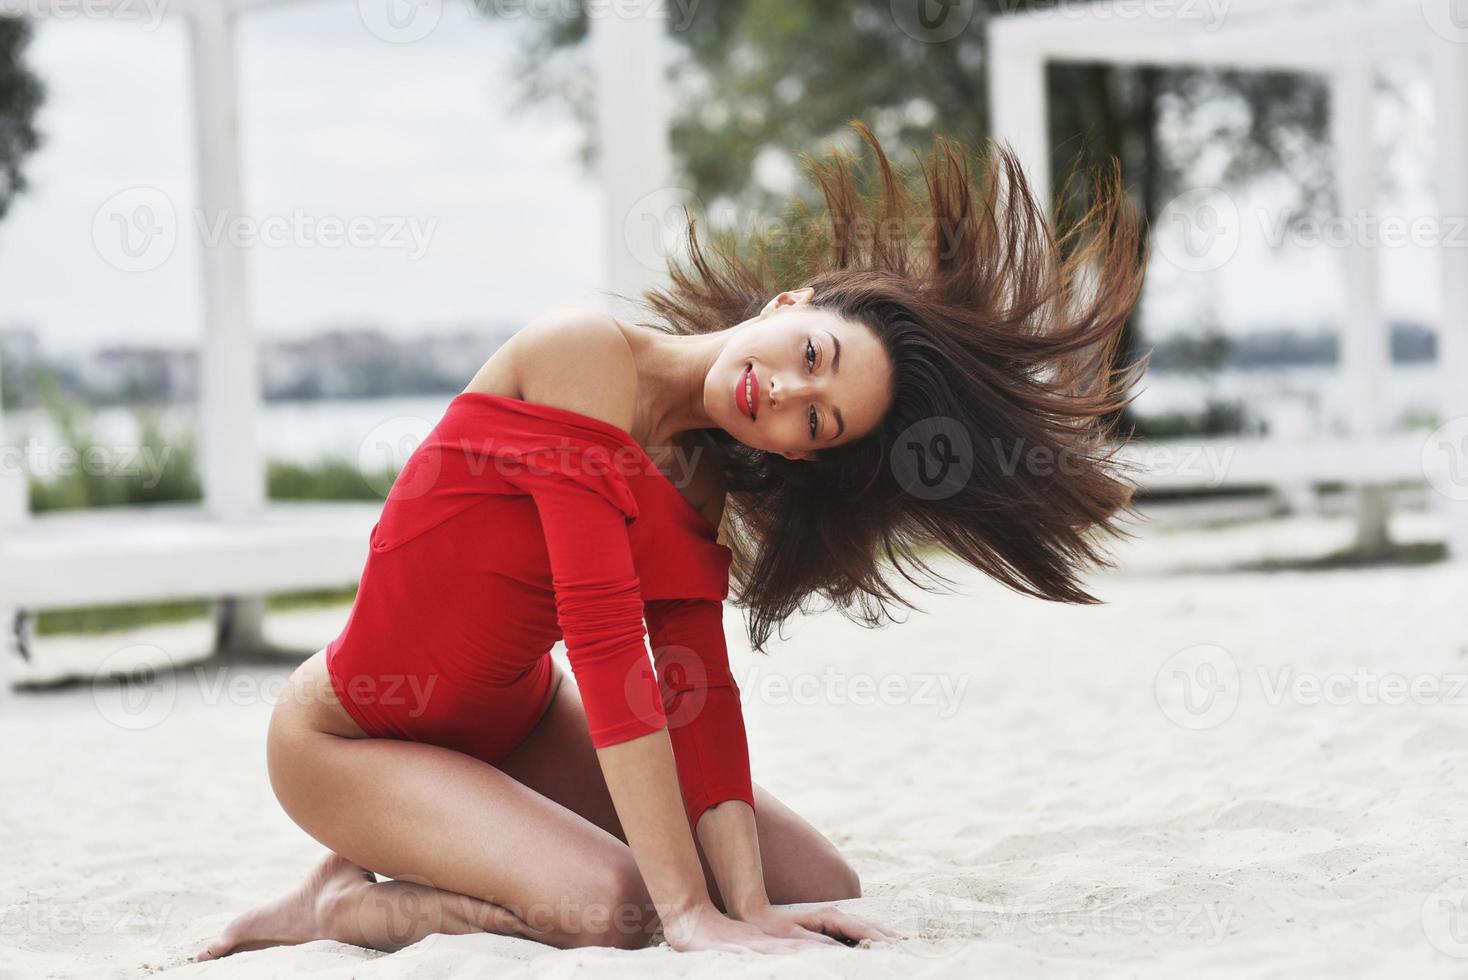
point(746, 393)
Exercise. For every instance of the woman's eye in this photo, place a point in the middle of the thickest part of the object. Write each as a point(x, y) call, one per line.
point(810, 354)
point(814, 421)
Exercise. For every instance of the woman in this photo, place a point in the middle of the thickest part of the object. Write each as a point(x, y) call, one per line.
point(941, 376)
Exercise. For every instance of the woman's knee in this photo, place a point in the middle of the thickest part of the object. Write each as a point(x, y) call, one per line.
point(833, 880)
point(618, 911)
point(289, 741)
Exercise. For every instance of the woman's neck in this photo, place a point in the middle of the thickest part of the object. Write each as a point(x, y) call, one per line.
point(671, 369)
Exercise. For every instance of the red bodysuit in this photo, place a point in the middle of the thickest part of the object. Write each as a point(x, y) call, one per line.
point(514, 525)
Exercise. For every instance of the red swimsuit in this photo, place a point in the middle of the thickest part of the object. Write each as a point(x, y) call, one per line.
point(514, 525)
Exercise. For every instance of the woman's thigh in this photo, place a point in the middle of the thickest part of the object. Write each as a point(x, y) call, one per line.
point(558, 761)
point(427, 814)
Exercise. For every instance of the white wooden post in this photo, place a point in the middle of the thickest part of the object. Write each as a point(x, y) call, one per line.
point(1019, 112)
point(1450, 80)
point(233, 470)
point(14, 491)
point(13, 507)
point(1365, 335)
point(629, 49)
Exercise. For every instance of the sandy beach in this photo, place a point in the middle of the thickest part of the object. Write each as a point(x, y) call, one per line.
point(1218, 772)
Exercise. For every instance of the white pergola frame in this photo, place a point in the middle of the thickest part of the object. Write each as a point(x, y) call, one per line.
point(67, 563)
point(1340, 40)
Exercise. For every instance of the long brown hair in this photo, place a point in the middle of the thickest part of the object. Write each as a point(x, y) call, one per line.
point(1002, 337)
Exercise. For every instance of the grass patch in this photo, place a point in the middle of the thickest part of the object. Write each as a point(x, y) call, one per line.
point(1393, 556)
point(107, 619)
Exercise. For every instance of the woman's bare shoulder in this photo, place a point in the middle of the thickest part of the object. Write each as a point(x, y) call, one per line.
point(571, 358)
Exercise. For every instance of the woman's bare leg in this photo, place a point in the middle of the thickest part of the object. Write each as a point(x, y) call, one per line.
point(560, 763)
point(470, 848)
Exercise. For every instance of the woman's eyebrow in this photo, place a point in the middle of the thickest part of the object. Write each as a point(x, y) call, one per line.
point(835, 367)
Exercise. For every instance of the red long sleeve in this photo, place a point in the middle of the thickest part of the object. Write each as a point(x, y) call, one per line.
point(701, 702)
point(599, 608)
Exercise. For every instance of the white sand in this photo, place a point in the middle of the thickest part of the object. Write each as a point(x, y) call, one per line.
point(1056, 809)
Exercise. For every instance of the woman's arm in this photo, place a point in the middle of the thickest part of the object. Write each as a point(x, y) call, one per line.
point(706, 726)
point(600, 611)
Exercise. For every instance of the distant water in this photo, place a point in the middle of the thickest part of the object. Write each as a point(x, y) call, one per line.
point(1294, 401)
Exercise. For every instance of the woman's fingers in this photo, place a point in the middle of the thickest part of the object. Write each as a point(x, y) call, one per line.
point(833, 921)
point(820, 938)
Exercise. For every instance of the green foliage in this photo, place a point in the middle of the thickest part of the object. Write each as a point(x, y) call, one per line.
point(104, 619)
point(1218, 418)
point(163, 466)
point(85, 472)
point(20, 97)
point(330, 479)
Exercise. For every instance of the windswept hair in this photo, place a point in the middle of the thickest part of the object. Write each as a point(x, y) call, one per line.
point(1002, 337)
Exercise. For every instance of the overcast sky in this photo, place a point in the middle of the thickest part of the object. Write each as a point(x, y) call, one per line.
point(490, 218)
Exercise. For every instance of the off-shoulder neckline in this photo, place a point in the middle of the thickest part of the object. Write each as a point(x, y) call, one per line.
point(608, 428)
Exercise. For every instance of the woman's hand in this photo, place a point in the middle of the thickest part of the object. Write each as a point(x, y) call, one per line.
point(823, 924)
point(705, 927)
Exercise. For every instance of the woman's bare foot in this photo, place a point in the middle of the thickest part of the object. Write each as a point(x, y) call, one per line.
point(298, 916)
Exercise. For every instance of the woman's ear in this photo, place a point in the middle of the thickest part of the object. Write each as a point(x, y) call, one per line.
point(800, 454)
point(788, 298)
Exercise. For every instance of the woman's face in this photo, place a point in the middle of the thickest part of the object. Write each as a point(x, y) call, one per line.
point(797, 379)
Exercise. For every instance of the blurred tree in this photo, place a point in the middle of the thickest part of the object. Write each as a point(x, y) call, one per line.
point(762, 80)
point(20, 97)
